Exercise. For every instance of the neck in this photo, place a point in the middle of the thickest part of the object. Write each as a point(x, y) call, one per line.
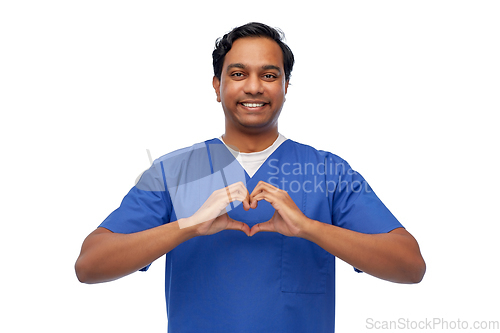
point(250, 142)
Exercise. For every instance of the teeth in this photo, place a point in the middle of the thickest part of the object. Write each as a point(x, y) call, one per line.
point(253, 105)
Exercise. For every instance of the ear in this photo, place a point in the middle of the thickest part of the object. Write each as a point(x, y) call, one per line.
point(216, 85)
point(286, 86)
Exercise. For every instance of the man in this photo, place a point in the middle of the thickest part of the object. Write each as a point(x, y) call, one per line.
point(207, 208)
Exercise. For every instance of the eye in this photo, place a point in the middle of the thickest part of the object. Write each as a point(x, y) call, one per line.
point(270, 76)
point(237, 74)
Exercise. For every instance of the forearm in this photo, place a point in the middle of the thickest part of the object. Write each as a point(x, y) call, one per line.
point(393, 256)
point(107, 256)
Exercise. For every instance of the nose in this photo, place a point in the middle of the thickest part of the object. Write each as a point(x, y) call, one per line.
point(253, 85)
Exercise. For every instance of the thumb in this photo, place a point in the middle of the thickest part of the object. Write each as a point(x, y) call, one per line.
point(264, 226)
point(237, 225)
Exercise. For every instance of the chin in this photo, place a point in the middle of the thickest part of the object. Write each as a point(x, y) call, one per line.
point(258, 126)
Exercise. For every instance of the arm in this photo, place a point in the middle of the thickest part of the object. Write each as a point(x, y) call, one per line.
point(107, 256)
point(393, 256)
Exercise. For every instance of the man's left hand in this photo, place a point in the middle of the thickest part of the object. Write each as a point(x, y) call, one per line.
point(288, 219)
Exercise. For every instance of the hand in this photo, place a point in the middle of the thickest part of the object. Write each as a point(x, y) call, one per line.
point(212, 216)
point(288, 219)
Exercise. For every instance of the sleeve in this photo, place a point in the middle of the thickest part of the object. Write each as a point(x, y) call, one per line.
point(355, 206)
point(147, 205)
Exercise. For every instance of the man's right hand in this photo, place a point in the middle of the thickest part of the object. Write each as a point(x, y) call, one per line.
point(107, 256)
point(212, 217)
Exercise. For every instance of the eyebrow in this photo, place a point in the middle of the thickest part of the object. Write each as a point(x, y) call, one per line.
point(242, 66)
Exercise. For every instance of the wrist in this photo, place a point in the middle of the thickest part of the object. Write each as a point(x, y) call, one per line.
point(309, 229)
point(188, 227)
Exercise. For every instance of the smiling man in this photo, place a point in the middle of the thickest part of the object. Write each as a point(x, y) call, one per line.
point(251, 222)
point(252, 88)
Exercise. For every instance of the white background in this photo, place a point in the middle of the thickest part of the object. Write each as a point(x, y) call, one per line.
point(406, 91)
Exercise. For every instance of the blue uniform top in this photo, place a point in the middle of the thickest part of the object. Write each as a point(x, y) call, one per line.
point(229, 282)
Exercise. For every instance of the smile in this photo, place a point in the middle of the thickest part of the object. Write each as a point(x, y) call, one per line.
point(253, 105)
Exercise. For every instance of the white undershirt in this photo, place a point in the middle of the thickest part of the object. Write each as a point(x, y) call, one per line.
point(251, 162)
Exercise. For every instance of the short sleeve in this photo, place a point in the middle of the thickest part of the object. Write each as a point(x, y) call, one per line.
point(147, 205)
point(355, 206)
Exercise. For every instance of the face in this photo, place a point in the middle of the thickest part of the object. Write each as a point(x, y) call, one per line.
point(252, 87)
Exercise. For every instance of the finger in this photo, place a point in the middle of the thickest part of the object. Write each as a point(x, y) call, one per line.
point(254, 204)
point(229, 194)
point(261, 196)
point(257, 194)
point(246, 202)
point(246, 199)
point(238, 192)
point(234, 192)
point(268, 193)
point(262, 185)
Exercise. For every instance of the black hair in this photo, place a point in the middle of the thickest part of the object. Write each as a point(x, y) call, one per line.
point(253, 29)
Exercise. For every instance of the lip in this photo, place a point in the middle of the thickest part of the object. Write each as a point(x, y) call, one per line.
point(252, 102)
point(253, 109)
